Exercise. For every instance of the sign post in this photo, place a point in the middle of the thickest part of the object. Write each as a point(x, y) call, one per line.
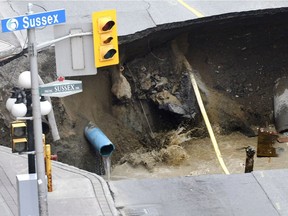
point(40, 165)
point(30, 22)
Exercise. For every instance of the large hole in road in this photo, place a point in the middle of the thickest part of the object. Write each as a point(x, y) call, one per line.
point(147, 107)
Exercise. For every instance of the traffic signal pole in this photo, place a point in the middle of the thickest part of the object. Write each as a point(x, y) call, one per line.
point(30, 136)
point(40, 165)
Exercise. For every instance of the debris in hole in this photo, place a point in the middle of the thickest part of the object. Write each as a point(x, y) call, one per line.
point(265, 145)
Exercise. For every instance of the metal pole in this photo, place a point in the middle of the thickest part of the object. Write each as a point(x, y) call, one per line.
point(42, 186)
point(250, 152)
point(50, 43)
point(49, 167)
point(31, 146)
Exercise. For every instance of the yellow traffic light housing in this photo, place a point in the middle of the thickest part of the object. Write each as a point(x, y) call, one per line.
point(105, 38)
point(19, 137)
point(19, 145)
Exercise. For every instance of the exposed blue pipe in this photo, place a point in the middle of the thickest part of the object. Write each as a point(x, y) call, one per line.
point(98, 140)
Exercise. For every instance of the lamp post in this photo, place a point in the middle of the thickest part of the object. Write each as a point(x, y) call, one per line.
point(18, 24)
point(24, 81)
point(32, 50)
point(22, 103)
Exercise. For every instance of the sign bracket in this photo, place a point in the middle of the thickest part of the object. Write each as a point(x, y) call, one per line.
point(50, 43)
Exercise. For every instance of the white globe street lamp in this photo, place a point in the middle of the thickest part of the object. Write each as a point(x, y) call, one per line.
point(45, 106)
point(19, 109)
point(24, 80)
point(15, 104)
point(11, 101)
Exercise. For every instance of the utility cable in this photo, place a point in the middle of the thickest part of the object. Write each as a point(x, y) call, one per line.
point(204, 114)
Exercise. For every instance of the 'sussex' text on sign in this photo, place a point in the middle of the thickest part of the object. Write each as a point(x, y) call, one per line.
point(61, 88)
point(35, 20)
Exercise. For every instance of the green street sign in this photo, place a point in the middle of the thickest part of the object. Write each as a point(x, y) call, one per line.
point(61, 88)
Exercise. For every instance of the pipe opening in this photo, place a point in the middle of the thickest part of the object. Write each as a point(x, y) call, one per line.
point(107, 150)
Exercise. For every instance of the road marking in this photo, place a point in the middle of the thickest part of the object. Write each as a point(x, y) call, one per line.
point(193, 10)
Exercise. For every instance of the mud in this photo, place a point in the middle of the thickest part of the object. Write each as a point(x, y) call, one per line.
point(202, 159)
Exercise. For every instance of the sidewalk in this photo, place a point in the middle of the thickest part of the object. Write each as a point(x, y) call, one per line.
point(75, 192)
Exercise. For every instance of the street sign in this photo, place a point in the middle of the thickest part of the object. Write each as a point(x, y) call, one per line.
point(35, 20)
point(61, 88)
point(74, 60)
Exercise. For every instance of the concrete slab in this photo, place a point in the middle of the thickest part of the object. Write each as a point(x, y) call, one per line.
point(86, 206)
point(8, 195)
point(169, 12)
point(212, 7)
point(274, 183)
point(5, 210)
point(64, 190)
point(238, 194)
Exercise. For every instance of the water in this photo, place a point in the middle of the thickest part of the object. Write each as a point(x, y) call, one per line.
point(202, 159)
point(107, 167)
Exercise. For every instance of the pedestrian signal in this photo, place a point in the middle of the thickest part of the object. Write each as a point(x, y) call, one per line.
point(19, 137)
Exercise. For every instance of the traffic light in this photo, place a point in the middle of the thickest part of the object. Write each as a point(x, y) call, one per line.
point(105, 38)
point(19, 137)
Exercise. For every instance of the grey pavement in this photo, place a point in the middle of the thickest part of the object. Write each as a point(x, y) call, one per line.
point(75, 192)
point(133, 16)
point(262, 193)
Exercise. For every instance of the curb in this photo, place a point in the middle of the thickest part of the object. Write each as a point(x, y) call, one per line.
point(100, 186)
point(101, 189)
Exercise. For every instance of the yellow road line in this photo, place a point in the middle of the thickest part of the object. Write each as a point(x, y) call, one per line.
point(193, 10)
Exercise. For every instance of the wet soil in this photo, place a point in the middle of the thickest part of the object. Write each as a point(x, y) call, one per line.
point(202, 159)
point(159, 130)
